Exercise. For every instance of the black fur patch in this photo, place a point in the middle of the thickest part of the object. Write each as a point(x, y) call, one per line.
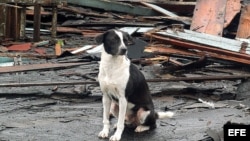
point(112, 42)
point(137, 92)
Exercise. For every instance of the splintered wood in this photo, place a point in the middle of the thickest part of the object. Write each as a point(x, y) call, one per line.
point(244, 25)
point(209, 16)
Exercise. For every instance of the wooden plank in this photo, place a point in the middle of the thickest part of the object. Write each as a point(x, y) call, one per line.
point(82, 49)
point(32, 2)
point(159, 9)
point(115, 6)
point(2, 20)
point(35, 67)
point(209, 16)
point(233, 8)
point(204, 78)
point(244, 25)
point(206, 39)
point(159, 49)
point(220, 53)
point(84, 12)
point(58, 49)
point(163, 11)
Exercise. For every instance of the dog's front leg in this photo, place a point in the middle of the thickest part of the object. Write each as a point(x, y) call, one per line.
point(106, 108)
point(121, 118)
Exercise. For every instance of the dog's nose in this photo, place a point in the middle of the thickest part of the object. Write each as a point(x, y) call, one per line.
point(123, 50)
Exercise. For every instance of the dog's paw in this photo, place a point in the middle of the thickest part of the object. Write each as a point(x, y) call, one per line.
point(103, 134)
point(115, 137)
point(141, 128)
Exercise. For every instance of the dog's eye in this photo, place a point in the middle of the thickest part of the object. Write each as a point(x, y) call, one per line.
point(127, 42)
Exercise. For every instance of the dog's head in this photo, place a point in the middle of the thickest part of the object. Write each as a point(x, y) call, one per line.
point(115, 41)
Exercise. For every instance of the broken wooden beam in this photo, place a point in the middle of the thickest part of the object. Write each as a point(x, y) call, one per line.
point(115, 6)
point(209, 17)
point(80, 11)
point(35, 67)
point(244, 24)
point(221, 48)
point(164, 11)
point(232, 9)
point(206, 78)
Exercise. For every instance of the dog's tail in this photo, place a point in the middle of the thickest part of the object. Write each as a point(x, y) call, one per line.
point(161, 115)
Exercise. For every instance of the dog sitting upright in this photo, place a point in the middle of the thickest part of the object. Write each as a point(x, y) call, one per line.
point(125, 91)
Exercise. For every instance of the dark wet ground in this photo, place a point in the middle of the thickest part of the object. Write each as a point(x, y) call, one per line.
point(74, 112)
point(80, 119)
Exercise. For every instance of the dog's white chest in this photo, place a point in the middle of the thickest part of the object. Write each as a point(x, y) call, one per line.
point(113, 74)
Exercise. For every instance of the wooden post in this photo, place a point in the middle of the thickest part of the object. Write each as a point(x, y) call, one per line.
point(54, 22)
point(23, 22)
point(37, 23)
point(244, 25)
point(209, 17)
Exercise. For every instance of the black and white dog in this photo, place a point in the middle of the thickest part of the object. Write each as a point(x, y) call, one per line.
point(125, 91)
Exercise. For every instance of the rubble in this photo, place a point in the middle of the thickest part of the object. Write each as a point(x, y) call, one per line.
point(194, 55)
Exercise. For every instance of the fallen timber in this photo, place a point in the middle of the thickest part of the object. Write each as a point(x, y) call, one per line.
point(237, 51)
point(206, 78)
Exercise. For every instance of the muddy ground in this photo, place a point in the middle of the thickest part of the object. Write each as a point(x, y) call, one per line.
point(74, 112)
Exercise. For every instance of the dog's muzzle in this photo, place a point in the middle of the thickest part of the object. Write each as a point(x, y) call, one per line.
point(123, 51)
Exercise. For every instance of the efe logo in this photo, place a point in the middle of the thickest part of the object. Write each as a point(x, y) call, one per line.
point(234, 131)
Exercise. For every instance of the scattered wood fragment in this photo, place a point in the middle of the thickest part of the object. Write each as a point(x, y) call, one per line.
point(35, 67)
point(217, 47)
point(163, 11)
point(58, 49)
point(232, 9)
point(84, 12)
point(20, 47)
point(243, 28)
point(116, 6)
point(198, 79)
point(209, 17)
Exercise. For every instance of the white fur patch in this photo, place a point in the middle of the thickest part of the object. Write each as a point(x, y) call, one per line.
point(141, 128)
point(165, 114)
point(143, 115)
point(122, 45)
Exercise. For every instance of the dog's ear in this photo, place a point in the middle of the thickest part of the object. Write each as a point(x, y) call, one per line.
point(99, 38)
point(128, 40)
